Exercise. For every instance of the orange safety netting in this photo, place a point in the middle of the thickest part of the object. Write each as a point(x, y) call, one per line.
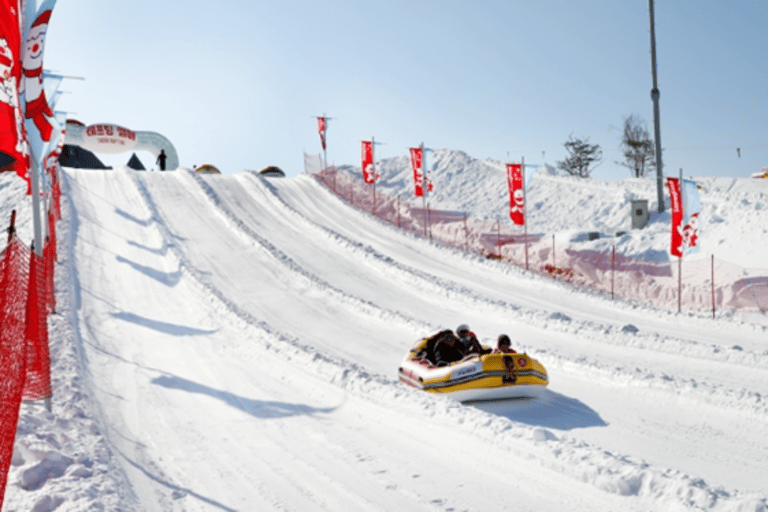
point(13, 362)
point(38, 382)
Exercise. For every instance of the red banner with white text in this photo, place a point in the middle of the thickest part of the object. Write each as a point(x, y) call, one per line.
point(38, 115)
point(12, 138)
point(516, 193)
point(367, 162)
point(417, 163)
point(676, 211)
point(321, 130)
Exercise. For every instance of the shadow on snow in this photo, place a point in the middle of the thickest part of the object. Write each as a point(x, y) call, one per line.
point(550, 410)
point(169, 279)
point(263, 409)
point(157, 325)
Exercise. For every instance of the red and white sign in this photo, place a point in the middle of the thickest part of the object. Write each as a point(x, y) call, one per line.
point(109, 138)
point(417, 162)
point(367, 162)
point(685, 206)
point(12, 142)
point(516, 193)
point(321, 129)
point(676, 207)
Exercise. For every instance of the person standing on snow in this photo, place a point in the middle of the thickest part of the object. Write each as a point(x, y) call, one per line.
point(161, 159)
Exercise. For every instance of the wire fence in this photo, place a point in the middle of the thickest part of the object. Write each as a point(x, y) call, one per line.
point(697, 285)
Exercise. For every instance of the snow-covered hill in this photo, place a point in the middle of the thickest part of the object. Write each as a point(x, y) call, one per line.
point(734, 218)
point(231, 343)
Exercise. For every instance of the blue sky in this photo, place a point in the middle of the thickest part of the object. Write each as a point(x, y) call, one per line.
point(236, 83)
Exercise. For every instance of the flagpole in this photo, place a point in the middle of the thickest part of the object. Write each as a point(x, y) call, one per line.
point(525, 210)
point(323, 137)
point(325, 143)
point(656, 123)
point(34, 172)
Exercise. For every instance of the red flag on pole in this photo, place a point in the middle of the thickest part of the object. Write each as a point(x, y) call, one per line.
point(676, 207)
point(321, 130)
point(367, 162)
point(516, 193)
point(417, 162)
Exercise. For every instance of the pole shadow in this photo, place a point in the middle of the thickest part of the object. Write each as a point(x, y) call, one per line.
point(169, 279)
point(262, 409)
point(164, 327)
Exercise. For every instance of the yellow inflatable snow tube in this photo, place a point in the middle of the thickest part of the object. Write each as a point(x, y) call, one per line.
point(476, 377)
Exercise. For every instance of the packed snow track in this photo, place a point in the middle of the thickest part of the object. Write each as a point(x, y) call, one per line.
point(241, 337)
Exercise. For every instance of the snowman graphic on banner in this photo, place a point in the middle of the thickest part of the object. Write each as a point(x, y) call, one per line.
point(516, 193)
point(37, 108)
point(690, 232)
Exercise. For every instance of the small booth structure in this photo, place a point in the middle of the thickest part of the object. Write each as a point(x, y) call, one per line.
point(640, 213)
point(272, 172)
point(207, 169)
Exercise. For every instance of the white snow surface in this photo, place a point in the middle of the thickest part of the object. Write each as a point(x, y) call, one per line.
point(231, 342)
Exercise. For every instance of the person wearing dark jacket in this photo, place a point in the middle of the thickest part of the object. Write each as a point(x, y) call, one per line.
point(469, 341)
point(161, 159)
point(448, 350)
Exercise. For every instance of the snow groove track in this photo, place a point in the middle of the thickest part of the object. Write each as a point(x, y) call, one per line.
point(409, 277)
point(263, 322)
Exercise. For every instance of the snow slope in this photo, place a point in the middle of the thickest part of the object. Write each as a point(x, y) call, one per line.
point(231, 343)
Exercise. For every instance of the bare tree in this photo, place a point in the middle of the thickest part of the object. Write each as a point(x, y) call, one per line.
point(581, 155)
point(638, 147)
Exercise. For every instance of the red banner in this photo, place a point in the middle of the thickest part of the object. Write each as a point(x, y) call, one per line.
point(516, 193)
point(321, 130)
point(676, 207)
point(12, 139)
point(417, 163)
point(367, 162)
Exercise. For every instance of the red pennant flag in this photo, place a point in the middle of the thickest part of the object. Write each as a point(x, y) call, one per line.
point(367, 162)
point(321, 130)
point(516, 193)
point(676, 207)
point(417, 163)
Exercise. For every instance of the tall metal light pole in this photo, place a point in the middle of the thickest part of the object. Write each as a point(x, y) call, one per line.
point(656, 126)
